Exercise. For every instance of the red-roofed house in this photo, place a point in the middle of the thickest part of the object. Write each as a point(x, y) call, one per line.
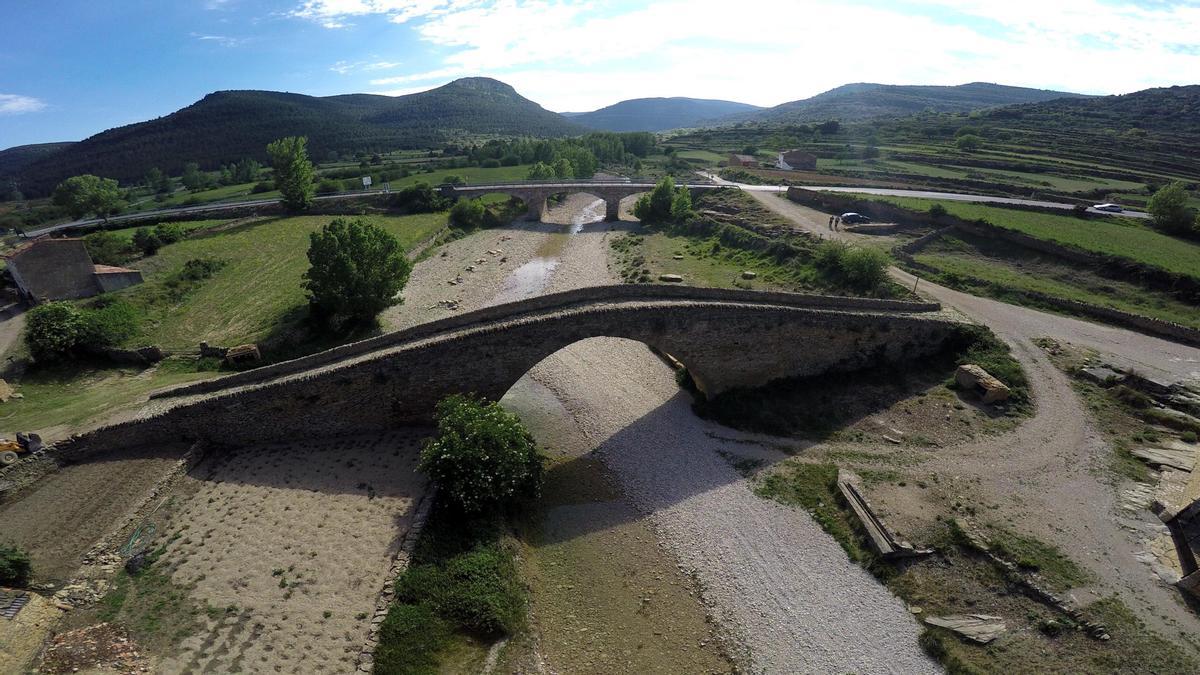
point(61, 269)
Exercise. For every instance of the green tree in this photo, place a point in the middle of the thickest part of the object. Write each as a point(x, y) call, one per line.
point(664, 204)
point(563, 168)
point(968, 142)
point(81, 195)
point(540, 171)
point(293, 171)
point(192, 178)
point(1170, 211)
point(53, 330)
point(158, 181)
point(357, 270)
point(482, 456)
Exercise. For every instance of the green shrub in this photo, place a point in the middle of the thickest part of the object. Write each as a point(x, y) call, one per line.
point(419, 198)
point(864, 268)
point(490, 164)
point(936, 211)
point(169, 233)
point(467, 214)
point(107, 248)
point(109, 323)
point(146, 241)
point(54, 330)
point(409, 640)
point(264, 186)
point(482, 455)
point(15, 567)
point(328, 186)
point(480, 591)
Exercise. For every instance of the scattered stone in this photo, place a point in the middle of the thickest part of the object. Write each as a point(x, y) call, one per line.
point(894, 441)
point(247, 353)
point(747, 274)
point(978, 380)
point(1102, 376)
point(1178, 456)
point(674, 278)
point(6, 391)
point(677, 256)
point(979, 628)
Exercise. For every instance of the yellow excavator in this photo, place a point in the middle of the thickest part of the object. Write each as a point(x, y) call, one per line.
point(11, 451)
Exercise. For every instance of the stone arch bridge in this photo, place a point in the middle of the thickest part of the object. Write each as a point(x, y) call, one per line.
point(727, 339)
point(535, 194)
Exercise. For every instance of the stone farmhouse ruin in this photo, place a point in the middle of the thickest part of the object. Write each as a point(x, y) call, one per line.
point(60, 269)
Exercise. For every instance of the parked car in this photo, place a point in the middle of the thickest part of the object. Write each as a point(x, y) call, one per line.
point(1112, 208)
point(854, 218)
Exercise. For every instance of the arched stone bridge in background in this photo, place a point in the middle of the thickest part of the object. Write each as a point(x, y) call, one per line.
point(535, 194)
point(727, 339)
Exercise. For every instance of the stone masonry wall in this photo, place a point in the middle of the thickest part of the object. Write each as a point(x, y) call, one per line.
point(724, 345)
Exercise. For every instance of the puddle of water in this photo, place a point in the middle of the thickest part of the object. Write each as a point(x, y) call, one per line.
point(534, 276)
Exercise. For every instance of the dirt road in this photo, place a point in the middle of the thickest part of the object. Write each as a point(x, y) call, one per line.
point(1049, 475)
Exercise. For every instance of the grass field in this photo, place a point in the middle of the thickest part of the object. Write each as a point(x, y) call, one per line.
point(1115, 236)
point(66, 398)
point(258, 291)
point(256, 294)
point(472, 174)
point(1009, 267)
point(126, 233)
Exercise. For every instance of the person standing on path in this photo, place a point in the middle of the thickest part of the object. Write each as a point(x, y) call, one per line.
point(831, 222)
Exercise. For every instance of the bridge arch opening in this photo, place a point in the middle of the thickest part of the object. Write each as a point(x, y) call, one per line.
point(576, 208)
point(502, 207)
point(608, 369)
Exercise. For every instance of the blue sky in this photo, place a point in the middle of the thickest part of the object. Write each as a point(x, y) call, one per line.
point(74, 68)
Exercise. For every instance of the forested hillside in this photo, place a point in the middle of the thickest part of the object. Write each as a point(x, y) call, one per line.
point(852, 102)
point(658, 114)
point(15, 158)
point(227, 126)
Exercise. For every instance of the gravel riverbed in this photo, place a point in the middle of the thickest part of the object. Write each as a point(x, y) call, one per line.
point(784, 593)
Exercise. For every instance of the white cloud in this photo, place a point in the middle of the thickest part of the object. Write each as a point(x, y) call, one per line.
point(16, 104)
point(336, 13)
point(345, 67)
point(579, 55)
point(223, 40)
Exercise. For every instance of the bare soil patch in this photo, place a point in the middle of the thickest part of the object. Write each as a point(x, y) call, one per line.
point(63, 515)
point(277, 553)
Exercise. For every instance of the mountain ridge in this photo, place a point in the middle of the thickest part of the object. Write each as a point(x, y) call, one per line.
point(865, 100)
point(658, 113)
point(228, 125)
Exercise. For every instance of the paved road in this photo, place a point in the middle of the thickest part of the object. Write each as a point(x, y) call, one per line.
point(924, 194)
point(203, 208)
point(951, 196)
